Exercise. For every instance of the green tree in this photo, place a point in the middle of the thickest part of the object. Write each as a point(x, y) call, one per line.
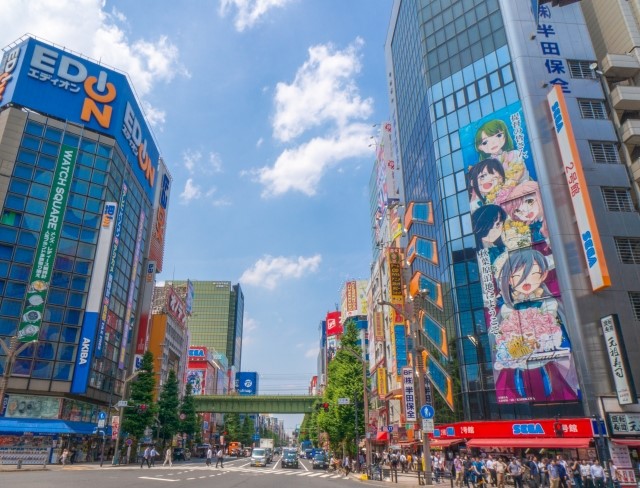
point(168, 408)
point(232, 427)
point(189, 421)
point(248, 425)
point(143, 410)
point(344, 380)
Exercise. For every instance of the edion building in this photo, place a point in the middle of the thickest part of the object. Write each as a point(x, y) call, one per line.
point(83, 205)
point(520, 215)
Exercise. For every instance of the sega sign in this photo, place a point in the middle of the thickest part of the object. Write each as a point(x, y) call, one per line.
point(528, 429)
point(198, 353)
point(55, 82)
point(246, 383)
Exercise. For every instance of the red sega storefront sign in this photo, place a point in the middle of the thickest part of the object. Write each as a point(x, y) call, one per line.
point(552, 428)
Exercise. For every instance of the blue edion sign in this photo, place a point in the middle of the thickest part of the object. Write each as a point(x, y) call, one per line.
point(246, 383)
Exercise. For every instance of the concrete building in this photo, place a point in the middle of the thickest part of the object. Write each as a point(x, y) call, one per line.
point(504, 144)
point(80, 174)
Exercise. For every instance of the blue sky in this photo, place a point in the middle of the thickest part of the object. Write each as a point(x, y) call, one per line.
point(262, 110)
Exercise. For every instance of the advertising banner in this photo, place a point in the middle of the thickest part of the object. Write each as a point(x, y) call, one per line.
point(196, 378)
point(247, 383)
point(394, 260)
point(332, 347)
point(128, 319)
point(580, 198)
point(618, 360)
point(504, 429)
point(115, 246)
point(31, 317)
point(53, 81)
point(409, 395)
point(145, 308)
point(190, 297)
point(334, 324)
point(159, 229)
point(382, 382)
point(524, 313)
point(27, 406)
point(621, 458)
point(115, 427)
point(176, 307)
point(351, 299)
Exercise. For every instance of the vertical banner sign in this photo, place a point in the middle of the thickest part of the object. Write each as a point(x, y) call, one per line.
point(115, 427)
point(31, 318)
point(618, 359)
point(409, 395)
point(94, 299)
point(111, 271)
point(394, 258)
point(132, 288)
point(580, 198)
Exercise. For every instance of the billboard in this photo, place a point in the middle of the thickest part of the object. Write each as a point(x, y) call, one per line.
point(176, 307)
point(524, 313)
point(159, 225)
point(580, 198)
point(53, 81)
point(197, 378)
point(94, 300)
point(334, 324)
point(246, 383)
point(190, 297)
point(618, 360)
point(39, 281)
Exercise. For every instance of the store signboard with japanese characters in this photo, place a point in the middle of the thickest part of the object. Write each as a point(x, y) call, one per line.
point(409, 395)
point(624, 424)
point(618, 360)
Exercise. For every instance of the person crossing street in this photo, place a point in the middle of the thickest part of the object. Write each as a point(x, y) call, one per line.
point(220, 458)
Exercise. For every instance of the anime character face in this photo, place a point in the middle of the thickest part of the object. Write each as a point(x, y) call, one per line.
point(529, 283)
point(487, 181)
point(491, 145)
point(494, 233)
point(529, 210)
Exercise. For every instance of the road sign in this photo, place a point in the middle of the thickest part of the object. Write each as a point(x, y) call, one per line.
point(101, 423)
point(102, 416)
point(343, 401)
point(128, 442)
point(256, 437)
point(427, 425)
point(122, 404)
point(427, 411)
point(389, 428)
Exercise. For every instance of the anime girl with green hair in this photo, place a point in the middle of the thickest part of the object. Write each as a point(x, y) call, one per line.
point(494, 141)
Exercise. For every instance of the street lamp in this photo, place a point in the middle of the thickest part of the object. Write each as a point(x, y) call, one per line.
point(116, 454)
point(418, 367)
point(11, 352)
point(365, 398)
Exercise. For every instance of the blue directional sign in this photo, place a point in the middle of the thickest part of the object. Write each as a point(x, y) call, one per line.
point(256, 437)
point(102, 416)
point(389, 428)
point(427, 411)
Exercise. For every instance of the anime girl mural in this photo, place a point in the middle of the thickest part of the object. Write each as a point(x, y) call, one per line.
point(531, 352)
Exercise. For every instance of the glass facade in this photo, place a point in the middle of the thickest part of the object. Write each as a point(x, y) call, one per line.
point(99, 174)
point(451, 67)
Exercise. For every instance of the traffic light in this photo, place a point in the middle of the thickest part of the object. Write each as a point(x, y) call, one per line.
point(142, 408)
point(325, 406)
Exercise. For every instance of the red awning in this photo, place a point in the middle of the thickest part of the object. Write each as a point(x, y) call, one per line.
point(627, 442)
point(562, 442)
point(445, 442)
point(382, 436)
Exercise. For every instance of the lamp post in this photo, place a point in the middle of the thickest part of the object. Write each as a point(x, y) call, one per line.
point(418, 367)
point(11, 352)
point(365, 398)
point(116, 454)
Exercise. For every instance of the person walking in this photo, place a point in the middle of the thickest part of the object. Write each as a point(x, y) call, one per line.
point(515, 469)
point(64, 457)
point(457, 465)
point(597, 474)
point(209, 456)
point(145, 458)
point(585, 474)
point(501, 469)
point(153, 455)
point(346, 464)
point(168, 457)
point(554, 474)
point(575, 472)
point(220, 458)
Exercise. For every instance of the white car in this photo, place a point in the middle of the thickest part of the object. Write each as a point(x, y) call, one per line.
point(258, 457)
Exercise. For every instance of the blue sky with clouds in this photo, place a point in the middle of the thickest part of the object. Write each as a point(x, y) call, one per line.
point(262, 110)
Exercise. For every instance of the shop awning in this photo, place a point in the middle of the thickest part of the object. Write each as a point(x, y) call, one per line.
point(561, 442)
point(46, 426)
point(627, 442)
point(445, 442)
point(382, 436)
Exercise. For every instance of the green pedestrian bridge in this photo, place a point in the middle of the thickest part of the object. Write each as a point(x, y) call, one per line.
point(255, 403)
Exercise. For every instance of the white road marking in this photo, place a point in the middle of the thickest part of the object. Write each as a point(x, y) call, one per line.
point(155, 479)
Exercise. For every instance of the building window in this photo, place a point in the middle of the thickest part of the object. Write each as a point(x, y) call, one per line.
point(634, 297)
point(628, 249)
point(592, 109)
point(617, 199)
point(581, 69)
point(604, 152)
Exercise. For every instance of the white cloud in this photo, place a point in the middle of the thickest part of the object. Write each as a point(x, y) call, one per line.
point(301, 168)
point(191, 192)
point(312, 353)
point(84, 26)
point(269, 271)
point(215, 162)
point(193, 161)
point(248, 12)
point(260, 142)
point(324, 90)
point(249, 324)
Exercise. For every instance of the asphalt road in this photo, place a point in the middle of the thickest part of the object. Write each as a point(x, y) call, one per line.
point(194, 474)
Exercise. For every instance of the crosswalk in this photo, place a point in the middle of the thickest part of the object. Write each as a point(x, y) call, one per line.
point(194, 473)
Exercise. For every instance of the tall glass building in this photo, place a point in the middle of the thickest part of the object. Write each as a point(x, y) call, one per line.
point(520, 217)
point(80, 174)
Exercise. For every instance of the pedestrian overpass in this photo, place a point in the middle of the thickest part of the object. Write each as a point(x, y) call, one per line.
point(255, 403)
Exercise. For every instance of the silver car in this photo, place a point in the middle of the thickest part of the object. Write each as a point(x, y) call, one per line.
point(258, 457)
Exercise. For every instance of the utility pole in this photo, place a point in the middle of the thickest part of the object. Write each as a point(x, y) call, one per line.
point(116, 453)
point(11, 352)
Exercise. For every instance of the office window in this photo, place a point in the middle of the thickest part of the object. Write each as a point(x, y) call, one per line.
point(593, 109)
point(604, 152)
point(617, 199)
point(634, 297)
point(628, 249)
point(581, 69)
